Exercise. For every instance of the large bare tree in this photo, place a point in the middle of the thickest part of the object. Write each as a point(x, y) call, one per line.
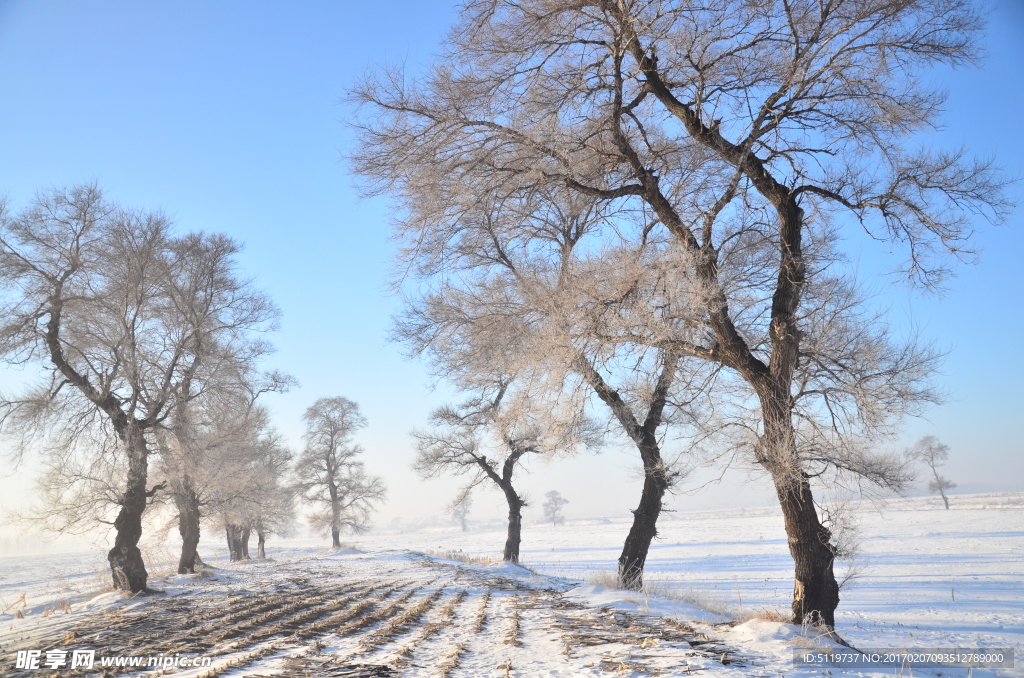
point(217, 405)
point(328, 475)
point(96, 295)
point(746, 131)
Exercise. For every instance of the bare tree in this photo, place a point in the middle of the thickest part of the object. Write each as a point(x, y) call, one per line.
point(527, 300)
point(210, 412)
point(933, 454)
point(488, 438)
point(745, 131)
point(327, 473)
point(459, 509)
point(92, 295)
point(553, 507)
point(273, 506)
point(235, 467)
point(259, 501)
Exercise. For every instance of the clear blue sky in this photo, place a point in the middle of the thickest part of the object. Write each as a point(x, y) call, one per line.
point(228, 116)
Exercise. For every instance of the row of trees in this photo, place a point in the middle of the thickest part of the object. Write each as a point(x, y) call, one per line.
point(243, 479)
point(150, 344)
point(632, 212)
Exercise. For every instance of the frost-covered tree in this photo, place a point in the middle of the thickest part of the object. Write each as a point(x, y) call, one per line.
point(553, 507)
point(934, 454)
point(273, 507)
point(488, 438)
point(747, 136)
point(531, 299)
point(328, 475)
point(242, 480)
point(102, 299)
point(211, 414)
point(459, 509)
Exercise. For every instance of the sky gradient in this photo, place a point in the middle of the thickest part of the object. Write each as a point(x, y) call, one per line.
point(229, 117)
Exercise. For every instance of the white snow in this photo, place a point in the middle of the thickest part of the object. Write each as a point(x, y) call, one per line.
point(928, 578)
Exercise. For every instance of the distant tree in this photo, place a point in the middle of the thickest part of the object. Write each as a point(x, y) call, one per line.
point(553, 507)
point(241, 482)
point(459, 509)
point(488, 438)
point(103, 299)
point(273, 508)
point(934, 454)
point(328, 476)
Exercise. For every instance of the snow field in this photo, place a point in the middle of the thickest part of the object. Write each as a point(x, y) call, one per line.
point(927, 578)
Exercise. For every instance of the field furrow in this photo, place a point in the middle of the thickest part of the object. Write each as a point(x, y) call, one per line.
point(420, 616)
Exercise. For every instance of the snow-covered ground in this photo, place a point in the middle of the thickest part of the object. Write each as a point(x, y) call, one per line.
point(926, 577)
point(924, 574)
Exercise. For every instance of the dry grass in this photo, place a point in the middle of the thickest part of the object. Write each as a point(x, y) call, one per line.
point(815, 637)
point(160, 560)
point(605, 578)
point(514, 630)
point(402, 622)
point(772, 616)
point(705, 600)
point(20, 601)
point(481, 616)
point(450, 661)
point(463, 557)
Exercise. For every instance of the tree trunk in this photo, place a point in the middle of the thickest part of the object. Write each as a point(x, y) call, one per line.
point(645, 521)
point(187, 502)
point(332, 488)
point(944, 498)
point(127, 570)
point(656, 478)
point(234, 536)
point(815, 590)
point(515, 524)
point(260, 544)
point(245, 542)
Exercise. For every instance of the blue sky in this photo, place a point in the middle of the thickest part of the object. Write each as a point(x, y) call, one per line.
point(228, 116)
